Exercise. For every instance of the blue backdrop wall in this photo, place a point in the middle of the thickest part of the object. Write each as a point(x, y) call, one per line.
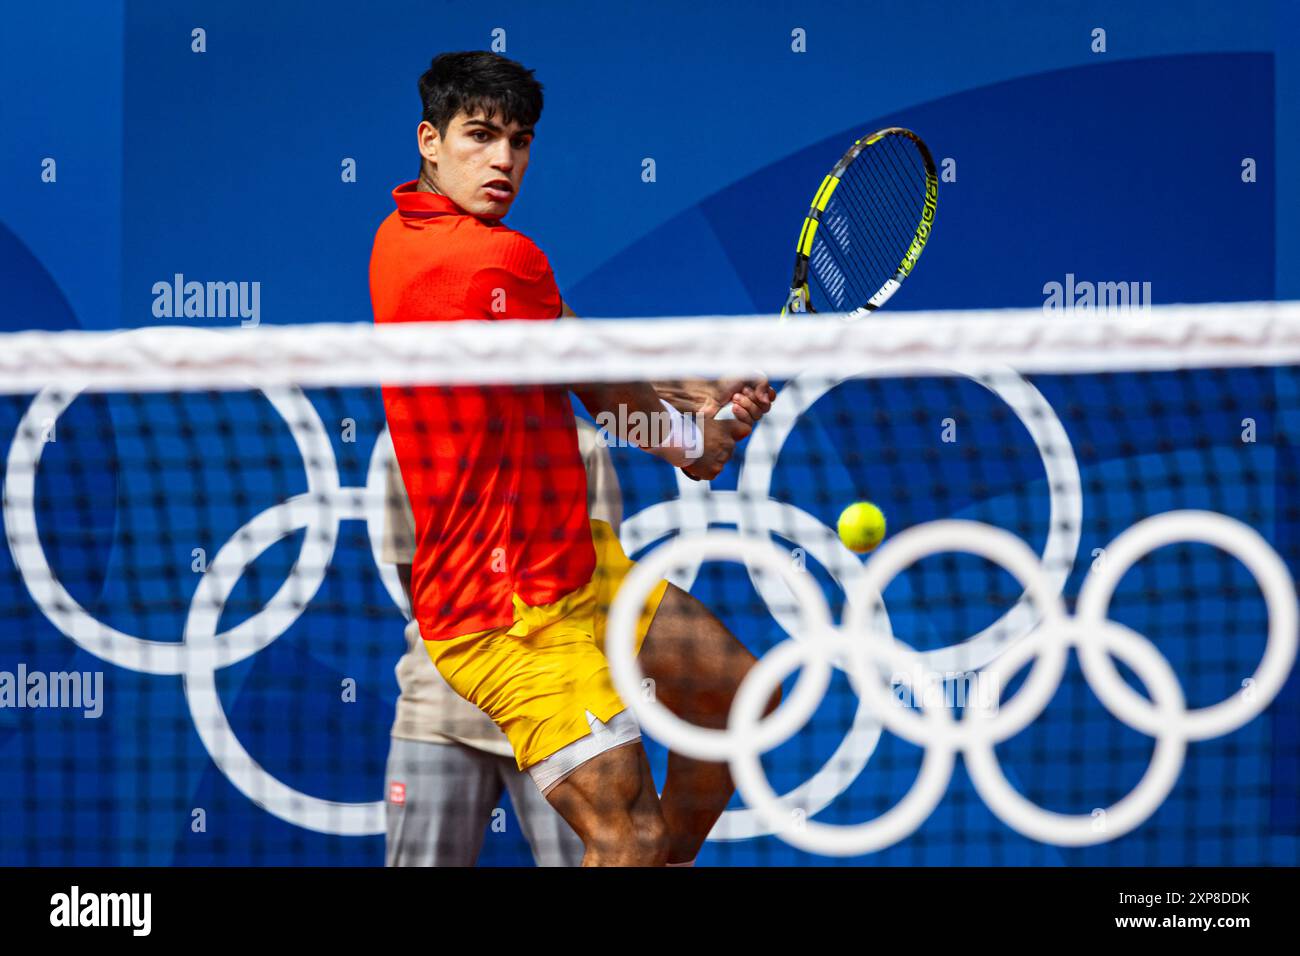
point(226, 165)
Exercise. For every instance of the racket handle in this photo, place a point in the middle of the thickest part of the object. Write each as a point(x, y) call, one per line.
point(726, 414)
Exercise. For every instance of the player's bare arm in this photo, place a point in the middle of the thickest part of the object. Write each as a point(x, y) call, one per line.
point(702, 458)
point(751, 399)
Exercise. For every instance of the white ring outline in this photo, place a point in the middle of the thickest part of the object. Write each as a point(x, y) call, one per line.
point(698, 505)
point(1249, 547)
point(210, 654)
point(324, 501)
point(108, 643)
point(694, 509)
point(1002, 548)
point(1131, 811)
point(895, 824)
point(1061, 470)
point(704, 743)
point(1053, 637)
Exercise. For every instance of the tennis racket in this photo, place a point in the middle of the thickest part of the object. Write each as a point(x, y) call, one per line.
point(866, 228)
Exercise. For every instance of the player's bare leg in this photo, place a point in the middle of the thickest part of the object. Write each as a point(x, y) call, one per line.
point(697, 666)
point(611, 804)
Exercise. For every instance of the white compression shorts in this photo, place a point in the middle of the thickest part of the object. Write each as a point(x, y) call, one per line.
point(621, 729)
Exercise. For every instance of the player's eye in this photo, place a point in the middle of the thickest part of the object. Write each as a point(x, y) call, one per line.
point(480, 135)
point(521, 142)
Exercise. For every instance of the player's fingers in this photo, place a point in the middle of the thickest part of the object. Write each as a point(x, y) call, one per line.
point(756, 402)
point(746, 386)
point(745, 409)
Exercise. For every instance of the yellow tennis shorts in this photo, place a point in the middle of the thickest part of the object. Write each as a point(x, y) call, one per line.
point(538, 678)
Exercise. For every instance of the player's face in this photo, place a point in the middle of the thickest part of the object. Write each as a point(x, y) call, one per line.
point(480, 163)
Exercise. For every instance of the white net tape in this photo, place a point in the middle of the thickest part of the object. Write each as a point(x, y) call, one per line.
point(341, 355)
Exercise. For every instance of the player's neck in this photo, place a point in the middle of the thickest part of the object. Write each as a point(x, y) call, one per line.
point(427, 185)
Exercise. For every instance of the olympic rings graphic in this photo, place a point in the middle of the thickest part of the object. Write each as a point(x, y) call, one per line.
point(1035, 628)
point(753, 510)
point(201, 650)
point(861, 647)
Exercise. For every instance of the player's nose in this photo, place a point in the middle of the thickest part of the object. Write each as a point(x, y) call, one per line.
point(503, 157)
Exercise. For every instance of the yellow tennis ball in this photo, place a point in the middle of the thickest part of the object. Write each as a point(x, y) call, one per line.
point(861, 526)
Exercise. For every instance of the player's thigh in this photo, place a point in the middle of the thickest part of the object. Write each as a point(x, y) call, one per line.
point(542, 681)
point(440, 800)
point(611, 798)
point(553, 841)
point(695, 662)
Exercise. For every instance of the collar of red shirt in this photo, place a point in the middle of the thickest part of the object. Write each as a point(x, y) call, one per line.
point(414, 203)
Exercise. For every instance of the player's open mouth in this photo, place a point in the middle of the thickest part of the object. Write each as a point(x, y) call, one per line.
point(500, 190)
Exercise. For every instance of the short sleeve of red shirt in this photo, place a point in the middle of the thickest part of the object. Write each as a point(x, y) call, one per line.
point(520, 286)
point(494, 475)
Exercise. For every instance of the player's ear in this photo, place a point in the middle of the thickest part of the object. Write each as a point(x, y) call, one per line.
point(429, 141)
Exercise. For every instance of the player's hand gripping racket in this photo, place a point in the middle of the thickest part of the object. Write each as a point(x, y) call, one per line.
point(868, 224)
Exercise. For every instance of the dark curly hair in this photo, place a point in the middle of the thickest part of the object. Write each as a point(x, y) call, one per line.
point(475, 81)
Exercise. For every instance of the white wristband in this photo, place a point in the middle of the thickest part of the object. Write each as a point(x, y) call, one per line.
point(683, 432)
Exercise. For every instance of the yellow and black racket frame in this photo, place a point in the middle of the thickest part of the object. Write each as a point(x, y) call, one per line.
point(798, 300)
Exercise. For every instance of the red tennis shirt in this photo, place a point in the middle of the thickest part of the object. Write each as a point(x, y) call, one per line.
point(494, 475)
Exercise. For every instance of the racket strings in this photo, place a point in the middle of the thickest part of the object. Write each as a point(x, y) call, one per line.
point(855, 265)
point(910, 183)
point(847, 265)
point(833, 284)
point(893, 224)
point(891, 191)
point(870, 215)
point(895, 193)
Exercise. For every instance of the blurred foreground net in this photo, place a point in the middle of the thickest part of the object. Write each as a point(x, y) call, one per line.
point(200, 623)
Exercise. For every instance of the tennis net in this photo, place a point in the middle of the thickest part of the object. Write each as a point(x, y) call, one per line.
point(1075, 645)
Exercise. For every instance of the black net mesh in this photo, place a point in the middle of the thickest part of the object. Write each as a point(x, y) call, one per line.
point(201, 622)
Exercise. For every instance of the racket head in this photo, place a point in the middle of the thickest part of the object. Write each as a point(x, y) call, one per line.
point(867, 226)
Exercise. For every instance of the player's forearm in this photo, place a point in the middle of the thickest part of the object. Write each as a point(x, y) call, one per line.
point(618, 408)
point(683, 394)
point(632, 413)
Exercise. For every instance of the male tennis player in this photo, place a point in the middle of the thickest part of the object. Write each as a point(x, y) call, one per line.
point(448, 764)
point(511, 580)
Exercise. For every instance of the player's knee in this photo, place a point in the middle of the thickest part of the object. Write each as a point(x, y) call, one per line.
point(706, 684)
point(715, 686)
point(634, 838)
point(748, 664)
point(652, 837)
